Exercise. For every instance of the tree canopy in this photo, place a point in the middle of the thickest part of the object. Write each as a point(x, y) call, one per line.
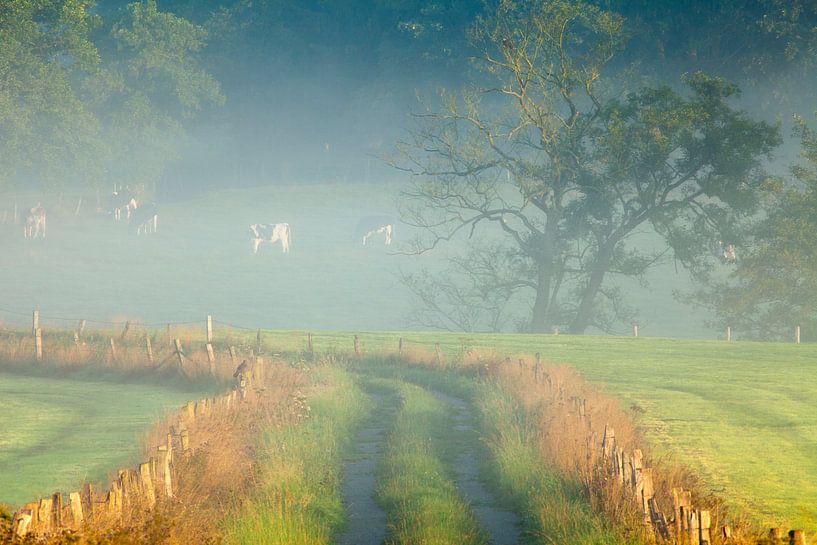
point(565, 164)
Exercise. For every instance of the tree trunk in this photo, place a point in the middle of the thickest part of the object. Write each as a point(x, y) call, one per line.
point(585, 311)
point(540, 321)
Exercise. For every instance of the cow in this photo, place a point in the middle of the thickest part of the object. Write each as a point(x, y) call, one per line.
point(270, 233)
point(724, 252)
point(35, 220)
point(145, 219)
point(375, 225)
point(122, 199)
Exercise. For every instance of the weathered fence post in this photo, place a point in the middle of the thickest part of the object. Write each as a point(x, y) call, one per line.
point(728, 333)
point(797, 335)
point(209, 330)
point(80, 329)
point(180, 355)
point(38, 344)
point(797, 537)
point(211, 359)
point(356, 342)
point(149, 350)
point(35, 321)
point(125, 331)
point(113, 350)
point(635, 330)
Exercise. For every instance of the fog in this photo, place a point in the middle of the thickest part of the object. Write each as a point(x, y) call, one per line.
point(265, 113)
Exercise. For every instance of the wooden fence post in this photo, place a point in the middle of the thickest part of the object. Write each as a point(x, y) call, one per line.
point(635, 330)
point(125, 331)
point(38, 344)
point(180, 355)
point(797, 335)
point(728, 333)
point(113, 350)
point(438, 354)
point(209, 330)
point(35, 321)
point(797, 537)
point(80, 329)
point(211, 359)
point(356, 342)
point(258, 341)
point(149, 350)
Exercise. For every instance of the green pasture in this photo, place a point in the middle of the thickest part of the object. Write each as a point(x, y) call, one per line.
point(60, 432)
point(200, 263)
point(743, 415)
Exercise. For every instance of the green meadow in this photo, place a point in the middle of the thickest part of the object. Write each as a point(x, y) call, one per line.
point(741, 414)
point(60, 432)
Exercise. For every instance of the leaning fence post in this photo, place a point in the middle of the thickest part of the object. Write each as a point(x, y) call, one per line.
point(113, 350)
point(209, 329)
point(38, 344)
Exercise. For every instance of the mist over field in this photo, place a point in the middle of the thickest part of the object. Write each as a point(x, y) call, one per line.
point(229, 114)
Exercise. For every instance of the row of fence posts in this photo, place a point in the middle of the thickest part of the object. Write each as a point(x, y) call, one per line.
point(134, 490)
point(729, 333)
point(690, 526)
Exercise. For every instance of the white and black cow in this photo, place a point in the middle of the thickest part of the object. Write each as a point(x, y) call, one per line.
point(35, 222)
point(371, 226)
point(122, 199)
point(145, 219)
point(270, 233)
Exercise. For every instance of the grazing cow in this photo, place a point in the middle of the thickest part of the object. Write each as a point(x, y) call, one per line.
point(145, 219)
point(375, 225)
point(270, 233)
point(724, 252)
point(122, 199)
point(35, 220)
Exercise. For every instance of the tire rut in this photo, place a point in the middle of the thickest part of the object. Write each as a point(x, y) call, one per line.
point(503, 526)
point(366, 519)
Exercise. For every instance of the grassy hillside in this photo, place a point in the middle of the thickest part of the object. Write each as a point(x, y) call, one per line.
point(200, 262)
point(743, 415)
point(61, 432)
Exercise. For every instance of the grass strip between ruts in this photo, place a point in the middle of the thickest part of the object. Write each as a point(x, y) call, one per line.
point(299, 496)
point(420, 498)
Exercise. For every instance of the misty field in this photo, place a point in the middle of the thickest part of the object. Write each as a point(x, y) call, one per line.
point(61, 432)
point(201, 262)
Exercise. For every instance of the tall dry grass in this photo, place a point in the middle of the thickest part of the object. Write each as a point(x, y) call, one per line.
point(221, 468)
point(549, 393)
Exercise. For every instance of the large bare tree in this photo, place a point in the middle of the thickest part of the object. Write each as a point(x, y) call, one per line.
point(547, 151)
